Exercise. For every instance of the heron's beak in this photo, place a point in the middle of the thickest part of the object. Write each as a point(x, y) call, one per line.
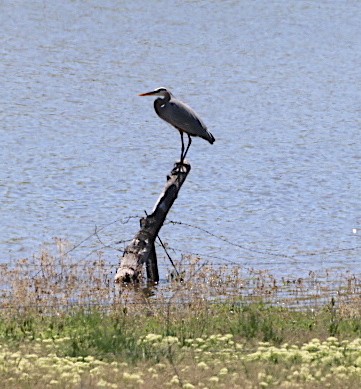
point(146, 94)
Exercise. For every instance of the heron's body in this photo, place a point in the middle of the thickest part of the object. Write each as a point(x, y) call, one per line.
point(181, 116)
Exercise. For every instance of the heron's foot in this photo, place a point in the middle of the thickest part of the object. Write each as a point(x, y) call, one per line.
point(179, 167)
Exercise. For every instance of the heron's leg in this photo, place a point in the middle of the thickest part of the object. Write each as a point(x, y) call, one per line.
point(182, 158)
point(189, 143)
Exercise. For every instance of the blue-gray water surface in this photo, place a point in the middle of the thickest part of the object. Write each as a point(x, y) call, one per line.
point(277, 83)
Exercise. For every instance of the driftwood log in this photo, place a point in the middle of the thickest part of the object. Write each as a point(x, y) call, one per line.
point(141, 250)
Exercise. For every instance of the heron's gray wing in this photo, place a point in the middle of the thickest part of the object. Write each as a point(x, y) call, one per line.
point(182, 117)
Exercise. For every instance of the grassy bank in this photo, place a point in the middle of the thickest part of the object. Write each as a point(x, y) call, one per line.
point(209, 345)
point(64, 324)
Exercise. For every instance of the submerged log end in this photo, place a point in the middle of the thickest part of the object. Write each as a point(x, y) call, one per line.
point(126, 276)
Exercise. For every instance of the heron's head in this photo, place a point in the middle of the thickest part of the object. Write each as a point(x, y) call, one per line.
point(163, 92)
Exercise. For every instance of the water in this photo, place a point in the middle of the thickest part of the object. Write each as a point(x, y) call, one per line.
point(276, 82)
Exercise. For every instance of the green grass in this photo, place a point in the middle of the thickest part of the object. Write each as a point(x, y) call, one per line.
point(116, 333)
point(213, 345)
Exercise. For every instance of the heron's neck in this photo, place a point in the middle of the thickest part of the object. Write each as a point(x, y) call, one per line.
point(161, 101)
point(158, 103)
point(166, 97)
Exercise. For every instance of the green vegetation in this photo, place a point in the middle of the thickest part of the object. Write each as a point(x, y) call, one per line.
point(213, 345)
point(65, 325)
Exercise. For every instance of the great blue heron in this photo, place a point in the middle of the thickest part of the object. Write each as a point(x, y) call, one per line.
point(181, 116)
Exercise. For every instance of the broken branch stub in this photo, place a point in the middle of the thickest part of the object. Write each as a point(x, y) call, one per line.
point(141, 249)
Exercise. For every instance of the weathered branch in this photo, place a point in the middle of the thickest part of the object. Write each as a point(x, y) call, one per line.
point(141, 249)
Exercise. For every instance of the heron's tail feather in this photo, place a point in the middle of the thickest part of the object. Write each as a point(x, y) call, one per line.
point(210, 138)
